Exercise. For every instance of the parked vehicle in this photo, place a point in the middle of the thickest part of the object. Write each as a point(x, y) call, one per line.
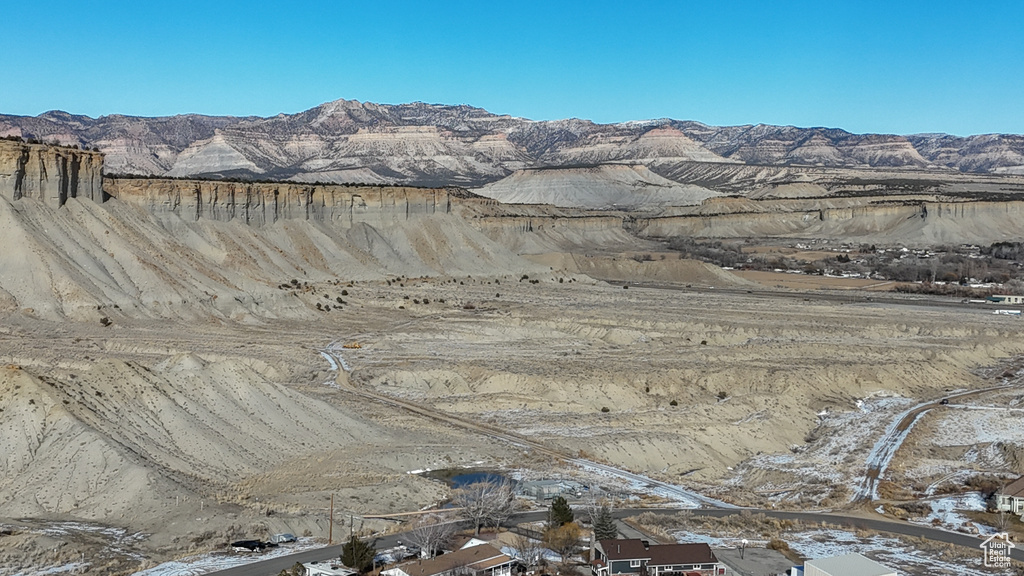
point(283, 538)
point(248, 546)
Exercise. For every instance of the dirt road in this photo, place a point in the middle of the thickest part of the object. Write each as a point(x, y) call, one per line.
point(885, 449)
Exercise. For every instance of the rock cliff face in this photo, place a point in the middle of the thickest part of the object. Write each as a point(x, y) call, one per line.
point(265, 203)
point(921, 222)
point(52, 174)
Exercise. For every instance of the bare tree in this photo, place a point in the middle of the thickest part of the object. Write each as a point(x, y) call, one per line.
point(594, 500)
point(485, 501)
point(529, 550)
point(502, 503)
point(431, 533)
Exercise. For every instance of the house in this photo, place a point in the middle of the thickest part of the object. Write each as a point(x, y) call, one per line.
point(634, 556)
point(334, 568)
point(1006, 299)
point(460, 541)
point(481, 560)
point(847, 565)
point(1011, 497)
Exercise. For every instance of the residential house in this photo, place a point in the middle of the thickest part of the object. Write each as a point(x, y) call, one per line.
point(334, 568)
point(634, 556)
point(1011, 497)
point(481, 560)
point(1006, 299)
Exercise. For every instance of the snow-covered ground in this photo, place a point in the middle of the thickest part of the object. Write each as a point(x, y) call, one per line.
point(69, 568)
point(838, 455)
point(971, 425)
point(119, 543)
point(890, 551)
point(204, 563)
point(637, 484)
point(948, 513)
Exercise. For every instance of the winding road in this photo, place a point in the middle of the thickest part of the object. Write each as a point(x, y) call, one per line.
point(273, 566)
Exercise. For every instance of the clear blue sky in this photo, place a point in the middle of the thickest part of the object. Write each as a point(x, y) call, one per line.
point(894, 66)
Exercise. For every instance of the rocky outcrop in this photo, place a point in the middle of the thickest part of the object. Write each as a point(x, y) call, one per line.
point(52, 174)
point(258, 204)
point(906, 221)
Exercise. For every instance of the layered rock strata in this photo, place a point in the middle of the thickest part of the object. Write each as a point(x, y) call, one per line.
point(256, 203)
point(49, 173)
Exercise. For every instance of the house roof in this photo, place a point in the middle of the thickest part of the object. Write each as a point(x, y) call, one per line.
point(1015, 488)
point(658, 554)
point(850, 565)
point(623, 549)
point(476, 558)
point(460, 541)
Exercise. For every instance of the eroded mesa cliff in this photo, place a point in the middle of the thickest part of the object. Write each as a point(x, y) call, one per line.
point(49, 173)
point(259, 203)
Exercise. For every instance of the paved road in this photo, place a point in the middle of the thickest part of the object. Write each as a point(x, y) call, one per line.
point(274, 565)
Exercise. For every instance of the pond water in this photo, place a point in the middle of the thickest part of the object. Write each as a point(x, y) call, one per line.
point(461, 477)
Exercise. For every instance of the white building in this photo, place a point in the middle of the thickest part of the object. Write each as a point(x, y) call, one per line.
point(1011, 497)
point(327, 569)
point(1006, 299)
point(848, 565)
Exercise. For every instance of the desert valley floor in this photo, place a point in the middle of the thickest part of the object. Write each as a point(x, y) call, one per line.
point(183, 434)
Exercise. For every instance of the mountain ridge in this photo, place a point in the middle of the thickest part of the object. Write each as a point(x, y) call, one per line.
point(431, 144)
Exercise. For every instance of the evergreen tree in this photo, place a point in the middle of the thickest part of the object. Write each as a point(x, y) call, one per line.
point(604, 524)
point(560, 513)
point(357, 555)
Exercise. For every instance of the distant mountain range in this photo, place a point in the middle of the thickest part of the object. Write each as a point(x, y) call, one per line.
point(426, 144)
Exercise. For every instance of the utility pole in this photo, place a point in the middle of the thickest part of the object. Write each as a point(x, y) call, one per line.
point(330, 524)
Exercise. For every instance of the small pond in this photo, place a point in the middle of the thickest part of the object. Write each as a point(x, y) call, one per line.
point(460, 477)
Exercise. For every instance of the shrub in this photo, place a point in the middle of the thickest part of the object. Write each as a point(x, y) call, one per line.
point(344, 292)
point(723, 395)
point(605, 409)
point(674, 403)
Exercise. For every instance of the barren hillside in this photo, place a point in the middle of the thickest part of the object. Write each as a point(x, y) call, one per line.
point(432, 145)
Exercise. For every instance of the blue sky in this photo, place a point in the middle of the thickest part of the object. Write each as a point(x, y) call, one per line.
point(894, 67)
